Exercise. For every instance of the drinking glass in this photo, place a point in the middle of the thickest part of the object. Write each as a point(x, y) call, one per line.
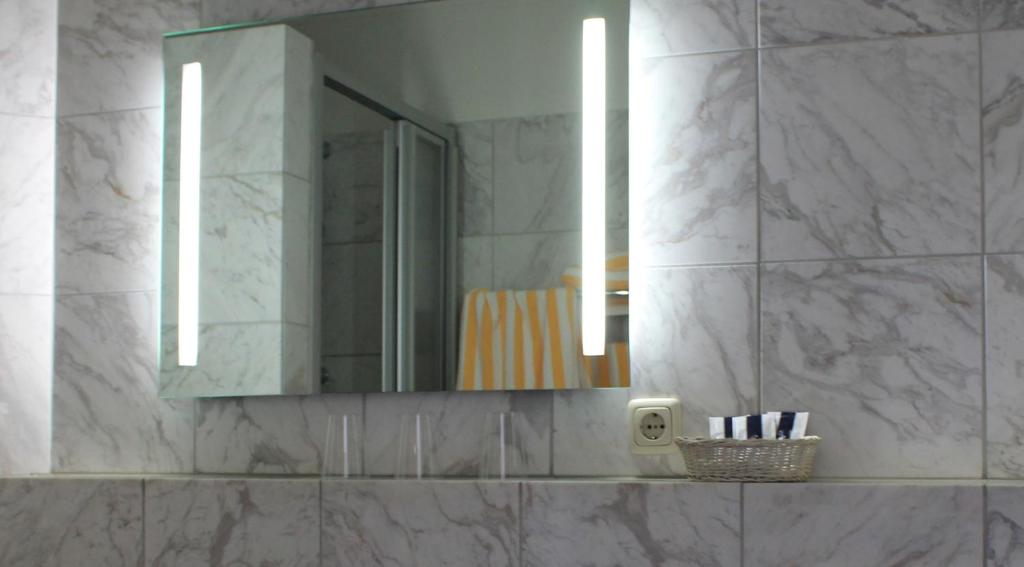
point(502, 450)
point(343, 449)
point(415, 456)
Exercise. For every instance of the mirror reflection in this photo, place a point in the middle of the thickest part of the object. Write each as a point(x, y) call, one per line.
point(412, 198)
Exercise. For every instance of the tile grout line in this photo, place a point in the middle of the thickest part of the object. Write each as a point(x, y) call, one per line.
point(984, 251)
point(936, 256)
point(758, 279)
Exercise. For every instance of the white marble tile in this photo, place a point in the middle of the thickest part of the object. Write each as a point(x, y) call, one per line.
point(267, 435)
point(786, 22)
point(671, 27)
point(219, 12)
point(26, 341)
point(352, 299)
point(28, 57)
point(234, 359)
point(697, 152)
point(537, 174)
point(354, 189)
point(420, 523)
point(862, 524)
point(232, 522)
point(108, 202)
point(1005, 365)
point(59, 522)
point(590, 437)
point(1004, 526)
point(254, 110)
point(870, 149)
point(476, 263)
point(607, 524)
point(1003, 133)
point(456, 419)
point(694, 335)
point(110, 52)
point(26, 202)
point(886, 355)
point(1002, 14)
point(535, 261)
point(107, 416)
point(476, 177)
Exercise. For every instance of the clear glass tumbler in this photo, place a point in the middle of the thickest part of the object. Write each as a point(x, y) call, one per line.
point(502, 449)
point(343, 447)
point(415, 452)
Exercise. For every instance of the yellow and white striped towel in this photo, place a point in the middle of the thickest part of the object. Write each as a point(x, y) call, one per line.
point(520, 340)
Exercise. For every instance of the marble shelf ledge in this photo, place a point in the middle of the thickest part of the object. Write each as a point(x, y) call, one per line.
point(56, 520)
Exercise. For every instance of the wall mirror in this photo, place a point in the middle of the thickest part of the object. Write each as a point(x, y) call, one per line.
point(429, 196)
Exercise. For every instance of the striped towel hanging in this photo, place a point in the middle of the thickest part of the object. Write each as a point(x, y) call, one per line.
point(530, 340)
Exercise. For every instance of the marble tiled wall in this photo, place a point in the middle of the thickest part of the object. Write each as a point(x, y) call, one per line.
point(301, 522)
point(28, 69)
point(823, 210)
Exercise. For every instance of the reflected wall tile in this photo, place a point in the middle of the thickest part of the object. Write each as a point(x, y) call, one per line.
point(886, 355)
point(108, 202)
point(355, 373)
point(1003, 131)
point(241, 258)
point(476, 177)
point(110, 52)
point(862, 524)
point(352, 300)
point(26, 341)
point(233, 359)
point(107, 416)
point(697, 150)
point(58, 522)
point(267, 435)
point(870, 149)
point(695, 336)
point(1002, 14)
point(354, 188)
point(536, 174)
point(455, 419)
point(612, 523)
point(257, 105)
point(535, 261)
point(232, 522)
point(28, 58)
point(476, 264)
point(1004, 525)
point(671, 27)
point(786, 22)
point(219, 12)
point(26, 202)
point(420, 523)
point(1005, 365)
point(591, 438)
point(617, 169)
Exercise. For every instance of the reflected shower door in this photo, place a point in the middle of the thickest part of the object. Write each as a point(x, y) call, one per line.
point(421, 259)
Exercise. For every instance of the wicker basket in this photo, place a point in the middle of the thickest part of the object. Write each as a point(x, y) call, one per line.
point(755, 460)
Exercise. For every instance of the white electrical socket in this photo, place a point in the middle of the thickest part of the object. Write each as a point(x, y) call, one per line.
point(654, 424)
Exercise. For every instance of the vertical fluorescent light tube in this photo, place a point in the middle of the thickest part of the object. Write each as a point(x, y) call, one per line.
point(188, 213)
point(593, 323)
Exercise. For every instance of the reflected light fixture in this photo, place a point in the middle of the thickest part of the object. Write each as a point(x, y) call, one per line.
point(593, 310)
point(188, 213)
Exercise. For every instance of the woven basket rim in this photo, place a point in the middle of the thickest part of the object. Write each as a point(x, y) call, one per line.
point(809, 440)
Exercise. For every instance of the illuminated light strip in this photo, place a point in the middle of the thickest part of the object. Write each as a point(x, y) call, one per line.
point(188, 213)
point(593, 323)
